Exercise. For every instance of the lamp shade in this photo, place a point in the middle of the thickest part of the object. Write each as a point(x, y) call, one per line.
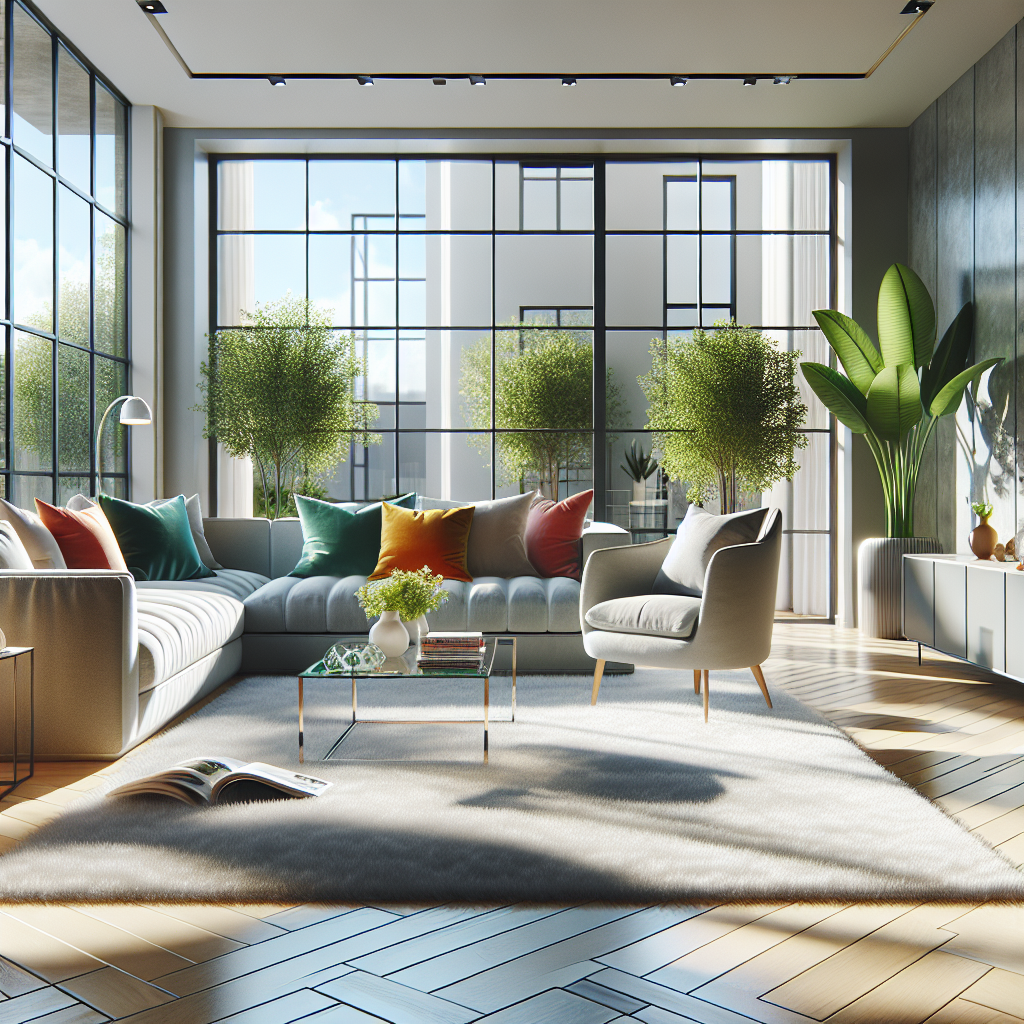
point(136, 412)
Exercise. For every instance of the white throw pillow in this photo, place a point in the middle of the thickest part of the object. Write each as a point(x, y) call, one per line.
point(12, 552)
point(39, 543)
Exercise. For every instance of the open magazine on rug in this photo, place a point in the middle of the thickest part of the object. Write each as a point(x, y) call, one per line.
point(209, 780)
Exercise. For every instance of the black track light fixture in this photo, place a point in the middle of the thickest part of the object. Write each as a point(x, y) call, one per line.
point(782, 79)
point(677, 80)
point(276, 80)
point(750, 81)
point(568, 81)
point(477, 80)
point(364, 79)
point(440, 81)
point(152, 6)
point(918, 7)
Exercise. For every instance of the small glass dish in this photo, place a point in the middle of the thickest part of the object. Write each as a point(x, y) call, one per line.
point(346, 659)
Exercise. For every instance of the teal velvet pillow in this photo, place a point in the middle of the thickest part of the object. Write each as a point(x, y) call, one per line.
point(156, 540)
point(336, 542)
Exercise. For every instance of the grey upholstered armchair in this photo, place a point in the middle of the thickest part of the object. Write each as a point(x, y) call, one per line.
point(729, 626)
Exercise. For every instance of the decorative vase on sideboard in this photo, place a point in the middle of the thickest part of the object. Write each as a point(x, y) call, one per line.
point(390, 635)
point(983, 539)
point(880, 582)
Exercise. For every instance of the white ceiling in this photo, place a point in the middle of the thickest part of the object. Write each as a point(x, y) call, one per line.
point(547, 36)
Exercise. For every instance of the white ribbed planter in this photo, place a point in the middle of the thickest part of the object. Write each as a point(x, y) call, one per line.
point(880, 582)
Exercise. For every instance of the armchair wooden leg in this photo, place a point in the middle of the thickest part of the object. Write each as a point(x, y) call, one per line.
point(759, 676)
point(598, 673)
point(696, 680)
point(707, 676)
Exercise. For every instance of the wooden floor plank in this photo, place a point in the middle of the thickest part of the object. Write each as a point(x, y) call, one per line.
point(959, 1011)
point(115, 993)
point(105, 942)
point(305, 915)
point(688, 1007)
point(292, 1007)
point(698, 928)
point(857, 969)
point(186, 940)
point(554, 1005)
point(14, 981)
point(282, 947)
point(449, 937)
point(34, 1004)
point(449, 968)
point(999, 990)
point(915, 993)
point(395, 1003)
point(1000, 829)
point(993, 934)
point(729, 951)
point(77, 1014)
point(220, 921)
point(606, 996)
point(555, 965)
point(40, 953)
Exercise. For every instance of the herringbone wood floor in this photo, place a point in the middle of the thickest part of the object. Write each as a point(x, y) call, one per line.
point(954, 732)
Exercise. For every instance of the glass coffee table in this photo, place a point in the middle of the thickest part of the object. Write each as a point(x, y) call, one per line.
point(405, 668)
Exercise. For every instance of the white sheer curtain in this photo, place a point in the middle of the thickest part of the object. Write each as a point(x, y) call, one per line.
point(794, 278)
point(236, 286)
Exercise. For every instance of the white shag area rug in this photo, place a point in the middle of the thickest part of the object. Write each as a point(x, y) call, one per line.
point(634, 800)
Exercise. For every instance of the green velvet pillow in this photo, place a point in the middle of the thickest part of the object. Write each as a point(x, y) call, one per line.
point(156, 540)
point(336, 542)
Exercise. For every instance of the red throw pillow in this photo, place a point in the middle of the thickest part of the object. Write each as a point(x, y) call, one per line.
point(85, 538)
point(553, 534)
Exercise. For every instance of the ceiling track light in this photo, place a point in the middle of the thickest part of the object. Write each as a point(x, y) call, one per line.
point(677, 80)
point(782, 79)
point(750, 81)
point(440, 81)
point(364, 79)
point(568, 81)
point(477, 80)
point(276, 80)
point(152, 6)
point(918, 7)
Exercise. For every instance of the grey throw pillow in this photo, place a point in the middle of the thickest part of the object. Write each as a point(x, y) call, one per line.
point(497, 538)
point(12, 552)
point(667, 615)
point(699, 536)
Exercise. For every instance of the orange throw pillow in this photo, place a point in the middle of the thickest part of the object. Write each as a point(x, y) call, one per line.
point(85, 538)
point(437, 537)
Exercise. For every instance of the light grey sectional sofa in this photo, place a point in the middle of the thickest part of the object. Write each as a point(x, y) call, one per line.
point(117, 659)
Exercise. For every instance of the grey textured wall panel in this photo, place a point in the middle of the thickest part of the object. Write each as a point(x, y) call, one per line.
point(995, 276)
point(986, 617)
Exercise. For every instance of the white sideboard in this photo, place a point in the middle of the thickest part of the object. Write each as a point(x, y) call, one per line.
point(969, 609)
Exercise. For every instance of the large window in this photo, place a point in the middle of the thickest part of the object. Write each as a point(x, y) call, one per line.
point(65, 351)
point(484, 291)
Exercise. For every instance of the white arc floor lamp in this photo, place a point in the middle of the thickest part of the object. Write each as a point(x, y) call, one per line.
point(135, 412)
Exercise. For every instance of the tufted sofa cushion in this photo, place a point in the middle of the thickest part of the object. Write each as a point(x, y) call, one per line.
point(178, 627)
point(237, 583)
point(328, 604)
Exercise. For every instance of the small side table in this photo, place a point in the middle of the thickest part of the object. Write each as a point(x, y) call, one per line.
point(16, 654)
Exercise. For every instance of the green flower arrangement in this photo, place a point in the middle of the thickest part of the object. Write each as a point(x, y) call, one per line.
point(982, 509)
point(411, 594)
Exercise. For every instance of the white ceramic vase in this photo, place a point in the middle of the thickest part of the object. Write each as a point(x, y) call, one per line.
point(417, 627)
point(390, 635)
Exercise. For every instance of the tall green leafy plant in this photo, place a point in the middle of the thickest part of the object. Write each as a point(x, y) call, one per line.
point(725, 411)
point(282, 392)
point(543, 394)
point(895, 393)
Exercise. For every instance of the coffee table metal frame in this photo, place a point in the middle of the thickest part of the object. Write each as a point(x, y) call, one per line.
point(317, 671)
point(16, 653)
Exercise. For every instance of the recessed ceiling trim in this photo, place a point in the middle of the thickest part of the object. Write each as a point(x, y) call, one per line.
point(435, 77)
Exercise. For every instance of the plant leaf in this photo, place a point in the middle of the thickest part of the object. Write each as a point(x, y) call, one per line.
point(951, 394)
point(950, 357)
point(856, 351)
point(894, 401)
point(906, 318)
point(839, 394)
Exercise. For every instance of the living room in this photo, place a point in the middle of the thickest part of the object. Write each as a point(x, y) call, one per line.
point(680, 353)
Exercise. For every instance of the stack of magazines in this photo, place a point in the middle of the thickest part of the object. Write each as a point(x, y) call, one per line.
point(451, 652)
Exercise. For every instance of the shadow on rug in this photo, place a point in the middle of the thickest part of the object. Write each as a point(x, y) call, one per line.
point(635, 800)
